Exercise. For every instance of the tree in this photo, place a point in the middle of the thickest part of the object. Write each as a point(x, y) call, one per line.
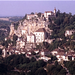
point(53, 58)
point(16, 25)
point(66, 20)
point(3, 68)
point(33, 59)
point(63, 72)
point(41, 63)
point(32, 13)
point(25, 17)
point(0, 51)
point(58, 13)
point(41, 71)
point(39, 14)
point(14, 39)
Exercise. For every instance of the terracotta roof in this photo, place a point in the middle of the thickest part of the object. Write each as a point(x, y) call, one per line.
point(48, 12)
point(41, 30)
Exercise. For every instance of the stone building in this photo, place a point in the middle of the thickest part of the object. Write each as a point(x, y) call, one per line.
point(40, 35)
point(69, 32)
point(48, 14)
point(31, 38)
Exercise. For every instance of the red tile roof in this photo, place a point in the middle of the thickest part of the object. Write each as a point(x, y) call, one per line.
point(41, 30)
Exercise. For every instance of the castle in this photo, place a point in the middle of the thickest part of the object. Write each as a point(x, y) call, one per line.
point(34, 29)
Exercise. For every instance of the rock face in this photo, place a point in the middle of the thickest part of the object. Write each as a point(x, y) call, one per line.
point(28, 26)
point(32, 23)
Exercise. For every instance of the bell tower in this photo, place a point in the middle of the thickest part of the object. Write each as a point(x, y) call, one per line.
point(55, 11)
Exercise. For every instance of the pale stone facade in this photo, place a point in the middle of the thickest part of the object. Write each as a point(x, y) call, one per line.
point(30, 16)
point(20, 43)
point(40, 35)
point(31, 38)
point(69, 32)
point(48, 14)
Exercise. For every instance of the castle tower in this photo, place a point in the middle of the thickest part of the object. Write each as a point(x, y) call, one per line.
point(54, 10)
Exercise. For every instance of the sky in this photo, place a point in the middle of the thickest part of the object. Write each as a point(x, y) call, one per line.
point(20, 8)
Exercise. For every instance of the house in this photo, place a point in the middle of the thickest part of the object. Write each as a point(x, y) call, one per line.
point(40, 35)
point(69, 32)
point(44, 58)
point(44, 52)
point(23, 31)
point(17, 52)
point(54, 52)
point(49, 40)
point(48, 14)
point(60, 54)
point(63, 56)
point(31, 38)
point(30, 16)
point(20, 43)
point(36, 51)
point(7, 51)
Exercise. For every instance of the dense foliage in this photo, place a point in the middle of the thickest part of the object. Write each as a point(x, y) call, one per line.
point(56, 70)
point(16, 25)
point(70, 66)
point(21, 65)
point(61, 23)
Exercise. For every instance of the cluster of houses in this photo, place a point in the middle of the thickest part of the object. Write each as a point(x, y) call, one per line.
point(47, 14)
point(62, 55)
point(42, 54)
point(31, 32)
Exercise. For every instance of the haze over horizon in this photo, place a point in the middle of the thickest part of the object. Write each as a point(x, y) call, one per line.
point(20, 8)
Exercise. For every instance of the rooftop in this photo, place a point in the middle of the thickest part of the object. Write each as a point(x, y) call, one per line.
point(48, 12)
point(41, 30)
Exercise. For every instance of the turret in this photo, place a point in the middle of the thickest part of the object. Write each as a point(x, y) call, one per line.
point(54, 10)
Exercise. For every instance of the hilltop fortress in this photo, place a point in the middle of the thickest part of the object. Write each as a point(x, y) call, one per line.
point(34, 28)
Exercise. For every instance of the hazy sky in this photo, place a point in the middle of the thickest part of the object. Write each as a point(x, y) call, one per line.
point(20, 8)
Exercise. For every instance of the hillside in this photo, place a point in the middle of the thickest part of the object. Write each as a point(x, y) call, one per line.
point(5, 23)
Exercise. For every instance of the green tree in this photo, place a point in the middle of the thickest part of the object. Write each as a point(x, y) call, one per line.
point(41, 71)
point(0, 51)
point(39, 14)
point(14, 39)
point(32, 13)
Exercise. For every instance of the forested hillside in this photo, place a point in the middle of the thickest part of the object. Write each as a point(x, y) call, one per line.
point(59, 25)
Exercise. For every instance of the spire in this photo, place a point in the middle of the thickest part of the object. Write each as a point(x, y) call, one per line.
point(54, 10)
